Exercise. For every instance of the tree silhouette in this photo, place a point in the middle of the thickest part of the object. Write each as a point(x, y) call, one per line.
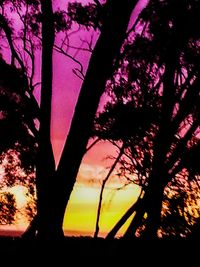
point(7, 208)
point(18, 145)
point(29, 14)
point(45, 166)
point(180, 209)
point(39, 24)
point(151, 75)
point(100, 68)
point(158, 80)
point(53, 197)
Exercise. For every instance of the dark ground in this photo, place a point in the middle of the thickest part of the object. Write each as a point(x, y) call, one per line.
point(85, 251)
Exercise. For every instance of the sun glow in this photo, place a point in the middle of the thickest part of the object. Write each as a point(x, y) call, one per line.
point(20, 195)
point(81, 212)
point(80, 216)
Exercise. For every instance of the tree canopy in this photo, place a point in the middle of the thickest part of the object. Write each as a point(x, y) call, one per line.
point(154, 102)
point(150, 76)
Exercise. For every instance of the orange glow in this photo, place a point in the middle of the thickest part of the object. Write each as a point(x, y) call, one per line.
point(81, 212)
point(80, 216)
point(20, 194)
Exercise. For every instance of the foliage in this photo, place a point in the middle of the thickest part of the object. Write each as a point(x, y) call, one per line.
point(7, 208)
point(18, 145)
point(16, 113)
point(142, 102)
point(62, 21)
point(19, 110)
point(180, 208)
point(88, 15)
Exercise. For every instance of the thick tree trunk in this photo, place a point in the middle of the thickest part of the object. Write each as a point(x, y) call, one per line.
point(99, 70)
point(159, 176)
point(45, 167)
point(151, 205)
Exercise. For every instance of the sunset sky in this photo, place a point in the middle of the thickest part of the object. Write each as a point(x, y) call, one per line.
point(81, 211)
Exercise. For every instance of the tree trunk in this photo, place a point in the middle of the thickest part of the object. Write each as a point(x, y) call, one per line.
point(152, 201)
point(151, 205)
point(124, 218)
point(136, 221)
point(45, 166)
point(159, 176)
point(100, 69)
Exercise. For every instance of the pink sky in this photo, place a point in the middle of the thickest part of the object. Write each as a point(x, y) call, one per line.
point(66, 86)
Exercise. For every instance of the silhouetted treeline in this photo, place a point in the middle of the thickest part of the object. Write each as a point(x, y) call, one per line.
point(151, 75)
point(154, 112)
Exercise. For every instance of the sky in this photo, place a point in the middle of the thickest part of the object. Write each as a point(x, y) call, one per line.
point(66, 86)
point(80, 214)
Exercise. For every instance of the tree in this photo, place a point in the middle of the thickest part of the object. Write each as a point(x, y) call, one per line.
point(166, 143)
point(29, 16)
point(110, 41)
point(39, 24)
point(180, 211)
point(158, 75)
point(45, 166)
point(18, 150)
point(100, 68)
point(7, 208)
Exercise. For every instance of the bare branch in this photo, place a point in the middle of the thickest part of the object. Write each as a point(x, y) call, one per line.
point(8, 32)
point(93, 144)
point(62, 51)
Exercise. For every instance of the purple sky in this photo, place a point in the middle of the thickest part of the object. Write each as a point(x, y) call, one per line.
point(66, 85)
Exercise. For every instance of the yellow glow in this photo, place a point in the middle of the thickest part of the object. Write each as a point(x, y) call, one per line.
point(81, 212)
point(20, 194)
point(80, 216)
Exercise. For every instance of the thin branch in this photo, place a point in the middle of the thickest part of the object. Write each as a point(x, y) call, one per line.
point(8, 32)
point(102, 190)
point(76, 72)
point(181, 146)
point(186, 104)
point(61, 51)
point(92, 145)
point(80, 48)
point(124, 218)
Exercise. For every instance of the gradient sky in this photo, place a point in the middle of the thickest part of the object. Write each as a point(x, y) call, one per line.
point(66, 85)
point(81, 211)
